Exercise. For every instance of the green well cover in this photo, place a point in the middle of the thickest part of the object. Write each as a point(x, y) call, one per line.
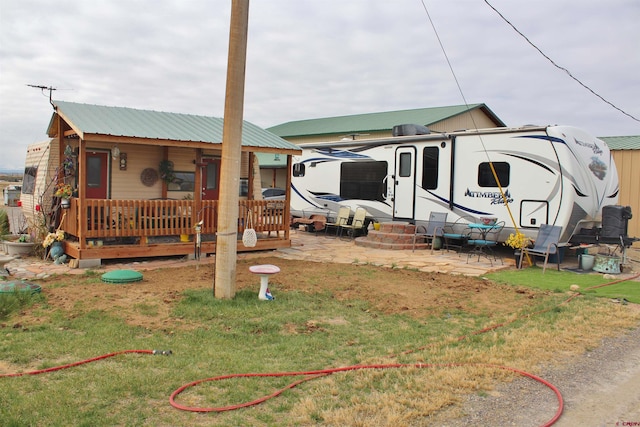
point(122, 276)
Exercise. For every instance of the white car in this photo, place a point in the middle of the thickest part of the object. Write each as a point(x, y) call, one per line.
point(273, 194)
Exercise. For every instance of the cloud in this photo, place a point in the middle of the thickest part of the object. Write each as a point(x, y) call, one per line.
point(307, 59)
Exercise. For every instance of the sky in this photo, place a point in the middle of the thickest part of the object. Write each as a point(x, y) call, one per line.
point(321, 58)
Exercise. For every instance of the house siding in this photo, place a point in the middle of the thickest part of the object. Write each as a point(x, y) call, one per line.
point(629, 177)
point(477, 119)
point(126, 184)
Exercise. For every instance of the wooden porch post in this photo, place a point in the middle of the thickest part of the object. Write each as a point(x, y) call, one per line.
point(197, 188)
point(82, 196)
point(226, 236)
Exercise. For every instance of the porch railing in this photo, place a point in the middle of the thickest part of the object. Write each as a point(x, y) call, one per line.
point(138, 218)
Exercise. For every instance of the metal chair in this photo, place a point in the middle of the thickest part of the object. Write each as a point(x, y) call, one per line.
point(546, 244)
point(456, 234)
point(434, 228)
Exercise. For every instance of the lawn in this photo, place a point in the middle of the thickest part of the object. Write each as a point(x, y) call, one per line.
point(324, 316)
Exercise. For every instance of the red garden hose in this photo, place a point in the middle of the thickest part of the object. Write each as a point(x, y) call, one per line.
point(309, 375)
point(82, 362)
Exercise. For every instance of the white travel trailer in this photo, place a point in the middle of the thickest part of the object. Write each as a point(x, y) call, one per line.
point(549, 175)
point(40, 173)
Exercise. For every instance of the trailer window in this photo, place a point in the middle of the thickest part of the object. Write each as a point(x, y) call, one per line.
point(363, 180)
point(29, 179)
point(486, 178)
point(405, 165)
point(430, 168)
point(298, 169)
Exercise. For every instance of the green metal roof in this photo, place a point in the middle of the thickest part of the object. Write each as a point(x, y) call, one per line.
point(134, 123)
point(375, 121)
point(631, 142)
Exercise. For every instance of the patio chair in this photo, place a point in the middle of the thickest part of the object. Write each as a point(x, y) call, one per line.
point(545, 244)
point(482, 239)
point(343, 218)
point(356, 225)
point(434, 228)
point(456, 234)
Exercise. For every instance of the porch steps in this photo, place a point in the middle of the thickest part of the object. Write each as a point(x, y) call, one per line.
point(394, 235)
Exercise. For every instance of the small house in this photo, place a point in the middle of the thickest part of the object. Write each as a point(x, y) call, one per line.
point(137, 183)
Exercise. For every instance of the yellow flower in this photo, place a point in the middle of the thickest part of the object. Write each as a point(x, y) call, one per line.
point(64, 191)
point(517, 241)
point(53, 237)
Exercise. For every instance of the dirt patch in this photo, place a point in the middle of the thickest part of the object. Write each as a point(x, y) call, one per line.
point(148, 303)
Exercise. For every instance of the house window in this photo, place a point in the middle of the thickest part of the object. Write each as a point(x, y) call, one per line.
point(244, 187)
point(94, 172)
point(29, 179)
point(486, 178)
point(363, 180)
point(183, 181)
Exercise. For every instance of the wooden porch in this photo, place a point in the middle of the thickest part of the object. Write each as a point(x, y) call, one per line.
point(104, 229)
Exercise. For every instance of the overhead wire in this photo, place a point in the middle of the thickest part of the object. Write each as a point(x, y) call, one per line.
point(558, 66)
point(475, 126)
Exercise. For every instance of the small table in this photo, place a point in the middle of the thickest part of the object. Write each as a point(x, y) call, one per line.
point(482, 245)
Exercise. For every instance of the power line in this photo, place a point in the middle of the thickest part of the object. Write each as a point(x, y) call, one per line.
point(556, 65)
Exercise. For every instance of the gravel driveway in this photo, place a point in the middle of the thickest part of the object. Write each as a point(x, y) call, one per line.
point(599, 388)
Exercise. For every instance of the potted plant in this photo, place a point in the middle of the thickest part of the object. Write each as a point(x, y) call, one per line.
point(55, 241)
point(166, 171)
point(19, 245)
point(64, 192)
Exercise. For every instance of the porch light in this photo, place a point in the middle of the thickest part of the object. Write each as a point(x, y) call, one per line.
point(115, 152)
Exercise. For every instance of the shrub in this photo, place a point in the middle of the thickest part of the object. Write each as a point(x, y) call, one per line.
point(4, 223)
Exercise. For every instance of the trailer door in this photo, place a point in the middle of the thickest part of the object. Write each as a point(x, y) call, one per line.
point(405, 183)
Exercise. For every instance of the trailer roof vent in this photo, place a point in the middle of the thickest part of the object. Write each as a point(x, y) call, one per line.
point(410, 129)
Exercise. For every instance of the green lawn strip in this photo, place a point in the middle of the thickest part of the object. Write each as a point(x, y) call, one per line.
point(561, 281)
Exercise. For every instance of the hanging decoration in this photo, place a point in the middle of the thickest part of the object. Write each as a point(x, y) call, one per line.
point(68, 163)
point(166, 171)
point(149, 176)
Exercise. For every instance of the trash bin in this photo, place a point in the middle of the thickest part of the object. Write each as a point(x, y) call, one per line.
point(12, 195)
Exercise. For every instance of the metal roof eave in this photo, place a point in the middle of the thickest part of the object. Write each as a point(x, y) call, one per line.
point(143, 127)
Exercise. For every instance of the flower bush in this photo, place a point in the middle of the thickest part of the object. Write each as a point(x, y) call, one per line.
point(58, 236)
point(64, 191)
point(517, 241)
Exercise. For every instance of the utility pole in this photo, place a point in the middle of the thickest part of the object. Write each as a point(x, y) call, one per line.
point(227, 227)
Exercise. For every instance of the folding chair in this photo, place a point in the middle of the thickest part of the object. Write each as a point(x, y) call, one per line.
point(546, 244)
point(434, 228)
point(342, 219)
point(357, 224)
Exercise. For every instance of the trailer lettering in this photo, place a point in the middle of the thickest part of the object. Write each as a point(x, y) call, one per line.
point(495, 196)
point(596, 150)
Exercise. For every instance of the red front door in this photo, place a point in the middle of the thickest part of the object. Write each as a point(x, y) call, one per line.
point(211, 179)
point(96, 177)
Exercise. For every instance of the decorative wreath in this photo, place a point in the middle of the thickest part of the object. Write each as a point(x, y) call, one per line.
point(149, 176)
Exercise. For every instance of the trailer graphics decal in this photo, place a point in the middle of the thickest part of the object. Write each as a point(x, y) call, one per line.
point(598, 168)
point(495, 196)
